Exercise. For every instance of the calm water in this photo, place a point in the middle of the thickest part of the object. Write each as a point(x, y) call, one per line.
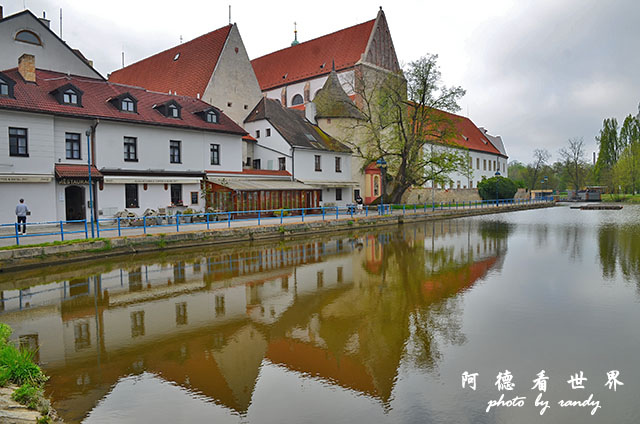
point(371, 327)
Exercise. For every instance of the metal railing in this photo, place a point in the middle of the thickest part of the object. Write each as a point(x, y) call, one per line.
point(123, 225)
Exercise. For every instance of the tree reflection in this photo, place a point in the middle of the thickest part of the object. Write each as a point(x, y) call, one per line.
point(619, 246)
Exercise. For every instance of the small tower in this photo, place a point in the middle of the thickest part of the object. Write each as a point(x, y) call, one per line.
point(295, 35)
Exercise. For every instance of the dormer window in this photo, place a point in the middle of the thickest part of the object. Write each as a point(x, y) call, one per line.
point(6, 86)
point(70, 97)
point(125, 102)
point(27, 36)
point(127, 105)
point(170, 109)
point(212, 117)
point(68, 94)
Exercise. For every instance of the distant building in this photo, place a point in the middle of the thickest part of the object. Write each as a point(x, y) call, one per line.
point(213, 67)
point(149, 150)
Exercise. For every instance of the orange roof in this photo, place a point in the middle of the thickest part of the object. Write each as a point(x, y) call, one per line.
point(313, 58)
point(185, 69)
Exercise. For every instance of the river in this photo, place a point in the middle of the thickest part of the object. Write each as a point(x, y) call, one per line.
point(367, 327)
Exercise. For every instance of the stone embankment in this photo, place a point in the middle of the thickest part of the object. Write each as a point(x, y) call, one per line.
point(29, 257)
point(11, 412)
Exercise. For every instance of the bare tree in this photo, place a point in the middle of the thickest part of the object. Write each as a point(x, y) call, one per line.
point(573, 158)
point(540, 159)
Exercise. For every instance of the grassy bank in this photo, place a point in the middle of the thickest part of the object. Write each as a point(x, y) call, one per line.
point(626, 198)
point(17, 367)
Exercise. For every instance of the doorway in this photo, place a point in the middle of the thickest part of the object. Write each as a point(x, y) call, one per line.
point(74, 203)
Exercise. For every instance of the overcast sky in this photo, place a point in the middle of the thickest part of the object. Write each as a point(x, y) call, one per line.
point(536, 72)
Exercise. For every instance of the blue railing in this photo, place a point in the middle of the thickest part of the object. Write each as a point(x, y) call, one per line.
point(121, 225)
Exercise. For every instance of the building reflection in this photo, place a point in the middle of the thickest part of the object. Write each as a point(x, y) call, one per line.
point(344, 310)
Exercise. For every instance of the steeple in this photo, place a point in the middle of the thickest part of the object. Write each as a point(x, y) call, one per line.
point(295, 35)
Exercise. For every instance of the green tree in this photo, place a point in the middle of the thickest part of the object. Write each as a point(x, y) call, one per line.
point(609, 150)
point(405, 123)
point(497, 187)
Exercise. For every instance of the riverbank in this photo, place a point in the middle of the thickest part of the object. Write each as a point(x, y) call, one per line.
point(48, 254)
point(624, 198)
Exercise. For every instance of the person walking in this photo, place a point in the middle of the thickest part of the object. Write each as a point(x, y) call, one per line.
point(22, 211)
point(359, 203)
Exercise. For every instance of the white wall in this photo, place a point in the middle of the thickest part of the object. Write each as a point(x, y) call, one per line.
point(478, 171)
point(268, 148)
point(52, 55)
point(305, 165)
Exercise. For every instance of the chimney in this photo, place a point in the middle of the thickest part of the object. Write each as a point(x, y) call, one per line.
point(44, 20)
point(27, 67)
point(310, 112)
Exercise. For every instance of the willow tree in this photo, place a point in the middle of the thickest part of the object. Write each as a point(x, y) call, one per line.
point(405, 119)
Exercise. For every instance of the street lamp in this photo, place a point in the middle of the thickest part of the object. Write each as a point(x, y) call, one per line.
point(88, 134)
point(497, 174)
point(382, 165)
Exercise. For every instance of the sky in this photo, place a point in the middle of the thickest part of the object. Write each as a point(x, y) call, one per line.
point(536, 72)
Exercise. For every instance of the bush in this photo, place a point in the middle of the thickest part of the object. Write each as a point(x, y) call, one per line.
point(282, 212)
point(17, 366)
point(503, 187)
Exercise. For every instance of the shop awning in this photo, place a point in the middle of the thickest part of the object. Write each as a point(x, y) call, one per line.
point(76, 172)
point(245, 184)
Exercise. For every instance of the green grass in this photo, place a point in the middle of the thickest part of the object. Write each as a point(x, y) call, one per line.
point(55, 243)
point(17, 367)
point(626, 198)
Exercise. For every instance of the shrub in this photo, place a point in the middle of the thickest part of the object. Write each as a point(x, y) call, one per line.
point(282, 212)
point(5, 333)
point(17, 366)
point(503, 187)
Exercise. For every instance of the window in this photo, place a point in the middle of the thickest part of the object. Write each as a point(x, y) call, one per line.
point(268, 132)
point(131, 195)
point(194, 197)
point(130, 149)
point(18, 142)
point(127, 105)
point(376, 186)
point(317, 162)
point(70, 97)
point(170, 109)
point(174, 152)
point(137, 324)
point(477, 163)
point(256, 164)
point(173, 111)
point(458, 184)
point(176, 194)
point(338, 164)
point(338, 194)
point(212, 117)
point(215, 154)
point(282, 164)
point(72, 145)
point(4, 88)
point(28, 37)
point(257, 133)
point(356, 193)
point(297, 100)
point(484, 164)
point(494, 165)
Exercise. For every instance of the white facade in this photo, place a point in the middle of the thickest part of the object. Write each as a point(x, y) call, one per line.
point(52, 53)
point(300, 163)
point(347, 79)
point(32, 177)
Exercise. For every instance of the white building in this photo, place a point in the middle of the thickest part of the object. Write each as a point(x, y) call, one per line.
point(287, 141)
point(149, 150)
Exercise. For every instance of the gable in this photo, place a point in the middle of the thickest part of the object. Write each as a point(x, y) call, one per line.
point(380, 50)
point(184, 69)
point(51, 53)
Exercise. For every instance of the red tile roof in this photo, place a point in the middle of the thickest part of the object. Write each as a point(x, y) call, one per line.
point(469, 135)
point(313, 58)
point(95, 102)
point(76, 171)
point(187, 75)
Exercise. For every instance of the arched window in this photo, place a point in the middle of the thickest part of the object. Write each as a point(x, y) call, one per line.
point(376, 185)
point(27, 36)
point(297, 100)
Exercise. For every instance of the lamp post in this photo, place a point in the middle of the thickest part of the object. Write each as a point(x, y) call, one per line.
point(543, 182)
point(382, 165)
point(88, 134)
point(497, 174)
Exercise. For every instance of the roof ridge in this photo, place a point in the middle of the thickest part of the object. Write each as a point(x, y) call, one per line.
point(314, 39)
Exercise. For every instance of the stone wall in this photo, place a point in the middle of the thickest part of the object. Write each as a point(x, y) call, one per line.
point(423, 195)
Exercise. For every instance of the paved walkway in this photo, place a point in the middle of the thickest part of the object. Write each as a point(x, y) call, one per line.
point(49, 233)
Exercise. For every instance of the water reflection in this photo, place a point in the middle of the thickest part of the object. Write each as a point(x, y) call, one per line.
point(619, 249)
point(342, 310)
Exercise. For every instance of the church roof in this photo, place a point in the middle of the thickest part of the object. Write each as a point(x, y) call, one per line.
point(294, 127)
point(333, 102)
point(184, 69)
point(313, 58)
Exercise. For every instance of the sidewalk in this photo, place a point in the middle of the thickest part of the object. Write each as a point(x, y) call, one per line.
point(37, 234)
